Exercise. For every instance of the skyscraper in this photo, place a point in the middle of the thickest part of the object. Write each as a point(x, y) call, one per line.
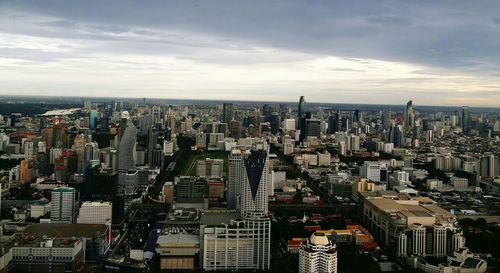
point(465, 119)
point(127, 172)
point(318, 254)
point(396, 136)
point(489, 166)
point(235, 176)
point(386, 119)
point(247, 243)
point(92, 119)
point(254, 186)
point(227, 112)
point(409, 115)
point(64, 205)
point(301, 110)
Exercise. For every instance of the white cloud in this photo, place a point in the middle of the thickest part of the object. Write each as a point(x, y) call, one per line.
point(53, 56)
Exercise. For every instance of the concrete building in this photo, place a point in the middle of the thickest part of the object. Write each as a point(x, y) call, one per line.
point(229, 244)
point(375, 171)
point(127, 173)
point(64, 205)
point(411, 226)
point(95, 213)
point(191, 187)
point(48, 255)
point(209, 167)
point(460, 183)
point(235, 175)
point(461, 261)
point(317, 255)
point(232, 244)
point(254, 185)
point(178, 251)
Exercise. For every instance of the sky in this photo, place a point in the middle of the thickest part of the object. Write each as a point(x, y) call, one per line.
point(376, 52)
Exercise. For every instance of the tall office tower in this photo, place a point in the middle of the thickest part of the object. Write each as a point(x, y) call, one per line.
point(235, 176)
point(235, 129)
point(171, 122)
point(92, 119)
point(301, 110)
point(283, 111)
point(227, 112)
point(317, 255)
point(489, 166)
point(386, 119)
point(353, 141)
point(303, 126)
point(313, 128)
point(87, 104)
point(334, 122)
point(95, 213)
point(396, 136)
point(15, 119)
point(254, 185)
point(155, 114)
point(242, 244)
point(267, 110)
point(357, 116)
point(274, 119)
point(127, 172)
point(256, 119)
point(465, 119)
point(64, 205)
point(409, 115)
point(346, 125)
point(152, 141)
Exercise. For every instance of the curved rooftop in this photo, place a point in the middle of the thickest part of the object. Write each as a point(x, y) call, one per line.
point(319, 238)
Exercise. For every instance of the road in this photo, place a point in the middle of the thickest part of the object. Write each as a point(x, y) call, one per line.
point(139, 224)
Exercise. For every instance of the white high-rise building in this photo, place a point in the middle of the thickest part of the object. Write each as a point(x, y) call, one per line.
point(242, 244)
point(288, 124)
point(64, 205)
point(317, 255)
point(354, 143)
point(235, 175)
point(375, 171)
point(254, 183)
point(95, 213)
point(237, 245)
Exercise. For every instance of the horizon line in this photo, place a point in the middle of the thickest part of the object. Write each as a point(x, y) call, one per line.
point(242, 100)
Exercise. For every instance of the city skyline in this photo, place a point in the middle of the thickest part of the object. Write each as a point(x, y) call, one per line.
point(376, 53)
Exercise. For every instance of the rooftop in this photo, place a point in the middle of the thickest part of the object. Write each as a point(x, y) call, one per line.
point(216, 218)
point(66, 230)
point(178, 240)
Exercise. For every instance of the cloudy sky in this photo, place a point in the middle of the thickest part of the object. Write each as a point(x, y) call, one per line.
point(434, 52)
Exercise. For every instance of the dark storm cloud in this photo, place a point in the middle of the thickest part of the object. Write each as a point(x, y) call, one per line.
point(443, 37)
point(444, 33)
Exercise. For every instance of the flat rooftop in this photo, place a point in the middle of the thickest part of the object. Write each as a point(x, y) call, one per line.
point(66, 230)
point(216, 218)
point(408, 208)
point(178, 240)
